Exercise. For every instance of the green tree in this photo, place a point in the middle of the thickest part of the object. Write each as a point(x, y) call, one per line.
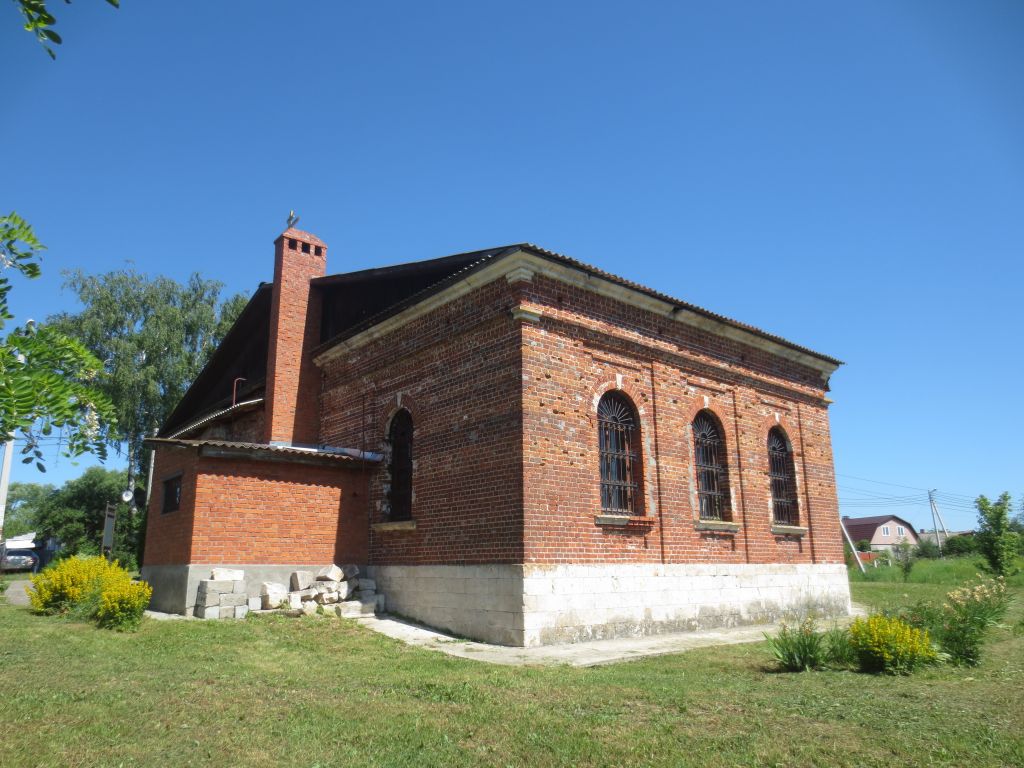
point(48, 381)
point(153, 335)
point(39, 21)
point(996, 541)
point(863, 545)
point(75, 513)
point(960, 545)
point(928, 550)
point(905, 558)
point(24, 503)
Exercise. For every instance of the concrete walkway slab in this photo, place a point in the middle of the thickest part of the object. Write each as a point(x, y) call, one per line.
point(16, 594)
point(587, 654)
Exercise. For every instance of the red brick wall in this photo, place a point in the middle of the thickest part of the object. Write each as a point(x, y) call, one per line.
point(293, 381)
point(457, 370)
point(581, 347)
point(278, 513)
point(169, 536)
point(240, 512)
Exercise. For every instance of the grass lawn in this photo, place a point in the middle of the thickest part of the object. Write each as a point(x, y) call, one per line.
point(306, 692)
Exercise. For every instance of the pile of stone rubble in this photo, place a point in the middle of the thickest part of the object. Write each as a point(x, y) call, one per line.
point(334, 590)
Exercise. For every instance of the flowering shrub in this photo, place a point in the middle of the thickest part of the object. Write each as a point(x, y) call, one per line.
point(66, 584)
point(885, 644)
point(122, 604)
point(93, 589)
point(968, 614)
point(798, 649)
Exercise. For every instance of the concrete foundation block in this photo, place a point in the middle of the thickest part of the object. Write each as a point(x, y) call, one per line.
point(353, 609)
point(350, 571)
point(273, 600)
point(204, 612)
point(301, 580)
point(207, 599)
point(330, 573)
point(215, 585)
point(227, 574)
point(367, 585)
point(241, 611)
point(254, 603)
point(234, 600)
point(294, 600)
point(270, 587)
point(309, 608)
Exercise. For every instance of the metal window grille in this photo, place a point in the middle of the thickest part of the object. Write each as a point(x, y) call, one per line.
point(783, 479)
point(400, 438)
point(712, 469)
point(618, 442)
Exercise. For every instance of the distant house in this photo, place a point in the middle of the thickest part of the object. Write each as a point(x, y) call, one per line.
point(885, 532)
point(941, 537)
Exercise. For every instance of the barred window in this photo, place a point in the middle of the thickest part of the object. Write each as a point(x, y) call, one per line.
point(172, 495)
point(618, 436)
point(712, 468)
point(782, 472)
point(400, 439)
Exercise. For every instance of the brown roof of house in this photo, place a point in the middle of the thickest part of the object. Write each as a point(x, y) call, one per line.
point(864, 527)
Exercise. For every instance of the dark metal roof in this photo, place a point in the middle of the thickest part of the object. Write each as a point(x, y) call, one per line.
point(257, 450)
point(241, 353)
point(557, 257)
point(485, 257)
point(355, 301)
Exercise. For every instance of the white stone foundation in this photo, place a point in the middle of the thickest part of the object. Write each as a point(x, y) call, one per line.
point(529, 605)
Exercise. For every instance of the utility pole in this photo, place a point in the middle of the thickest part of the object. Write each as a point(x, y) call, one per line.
point(5, 479)
point(937, 516)
point(856, 554)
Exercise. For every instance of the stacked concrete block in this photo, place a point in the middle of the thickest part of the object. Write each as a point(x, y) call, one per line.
point(222, 596)
point(337, 590)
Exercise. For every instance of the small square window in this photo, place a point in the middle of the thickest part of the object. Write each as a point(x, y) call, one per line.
point(172, 494)
point(885, 530)
point(318, 251)
point(305, 247)
point(293, 244)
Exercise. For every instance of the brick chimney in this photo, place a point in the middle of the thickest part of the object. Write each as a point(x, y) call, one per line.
point(293, 381)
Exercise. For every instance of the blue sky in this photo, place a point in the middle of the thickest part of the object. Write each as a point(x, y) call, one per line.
point(847, 175)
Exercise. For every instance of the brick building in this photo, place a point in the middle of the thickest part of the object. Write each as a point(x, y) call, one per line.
point(521, 448)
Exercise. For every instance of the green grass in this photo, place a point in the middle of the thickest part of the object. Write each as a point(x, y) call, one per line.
point(275, 691)
point(950, 571)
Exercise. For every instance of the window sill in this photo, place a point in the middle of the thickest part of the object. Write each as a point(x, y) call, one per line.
point(622, 520)
point(788, 530)
point(721, 526)
point(396, 525)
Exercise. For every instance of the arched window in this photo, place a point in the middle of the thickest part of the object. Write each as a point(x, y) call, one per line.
point(783, 478)
point(400, 438)
point(712, 469)
point(618, 435)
